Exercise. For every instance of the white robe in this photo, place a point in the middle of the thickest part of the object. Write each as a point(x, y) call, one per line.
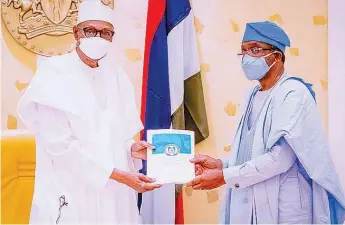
point(290, 113)
point(294, 201)
point(84, 120)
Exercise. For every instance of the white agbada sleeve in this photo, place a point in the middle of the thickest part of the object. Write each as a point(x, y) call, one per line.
point(131, 116)
point(136, 164)
point(66, 150)
point(276, 161)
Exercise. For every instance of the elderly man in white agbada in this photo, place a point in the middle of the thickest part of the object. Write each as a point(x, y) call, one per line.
point(81, 107)
point(280, 169)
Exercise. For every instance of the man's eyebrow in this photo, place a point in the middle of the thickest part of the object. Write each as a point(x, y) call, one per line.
point(86, 26)
point(264, 45)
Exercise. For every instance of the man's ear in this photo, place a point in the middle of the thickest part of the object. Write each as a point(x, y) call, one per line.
point(76, 33)
point(278, 56)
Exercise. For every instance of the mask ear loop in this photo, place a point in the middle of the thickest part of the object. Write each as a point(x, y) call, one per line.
point(275, 61)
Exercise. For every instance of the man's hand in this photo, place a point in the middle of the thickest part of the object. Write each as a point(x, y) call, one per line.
point(204, 162)
point(139, 149)
point(210, 179)
point(139, 182)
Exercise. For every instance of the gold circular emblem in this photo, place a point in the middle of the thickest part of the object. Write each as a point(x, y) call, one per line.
point(44, 27)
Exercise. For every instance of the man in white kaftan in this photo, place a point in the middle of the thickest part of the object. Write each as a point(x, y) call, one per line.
point(280, 169)
point(81, 107)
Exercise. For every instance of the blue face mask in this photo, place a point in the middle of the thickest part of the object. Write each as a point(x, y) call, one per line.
point(255, 68)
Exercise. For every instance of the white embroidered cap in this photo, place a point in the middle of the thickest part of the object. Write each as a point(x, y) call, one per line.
point(95, 10)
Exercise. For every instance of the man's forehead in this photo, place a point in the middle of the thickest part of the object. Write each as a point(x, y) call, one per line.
point(97, 24)
point(252, 44)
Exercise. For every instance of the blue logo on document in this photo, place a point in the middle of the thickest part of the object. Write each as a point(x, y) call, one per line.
point(172, 144)
point(171, 150)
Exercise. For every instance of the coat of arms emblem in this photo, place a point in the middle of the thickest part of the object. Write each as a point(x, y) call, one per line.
point(36, 24)
point(171, 150)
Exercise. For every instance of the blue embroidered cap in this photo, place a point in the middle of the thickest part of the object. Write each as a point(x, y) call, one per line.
point(267, 32)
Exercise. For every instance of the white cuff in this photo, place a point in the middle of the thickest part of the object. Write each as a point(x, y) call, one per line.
point(232, 177)
point(129, 144)
point(138, 164)
point(225, 163)
point(104, 177)
point(134, 164)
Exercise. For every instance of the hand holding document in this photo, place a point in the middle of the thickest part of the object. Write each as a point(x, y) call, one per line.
point(169, 162)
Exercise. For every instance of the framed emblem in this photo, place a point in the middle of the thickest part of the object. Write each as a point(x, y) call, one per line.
point(44, 27)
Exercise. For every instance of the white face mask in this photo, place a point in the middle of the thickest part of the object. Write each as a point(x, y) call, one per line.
point(94, 47)
point(255, 68)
